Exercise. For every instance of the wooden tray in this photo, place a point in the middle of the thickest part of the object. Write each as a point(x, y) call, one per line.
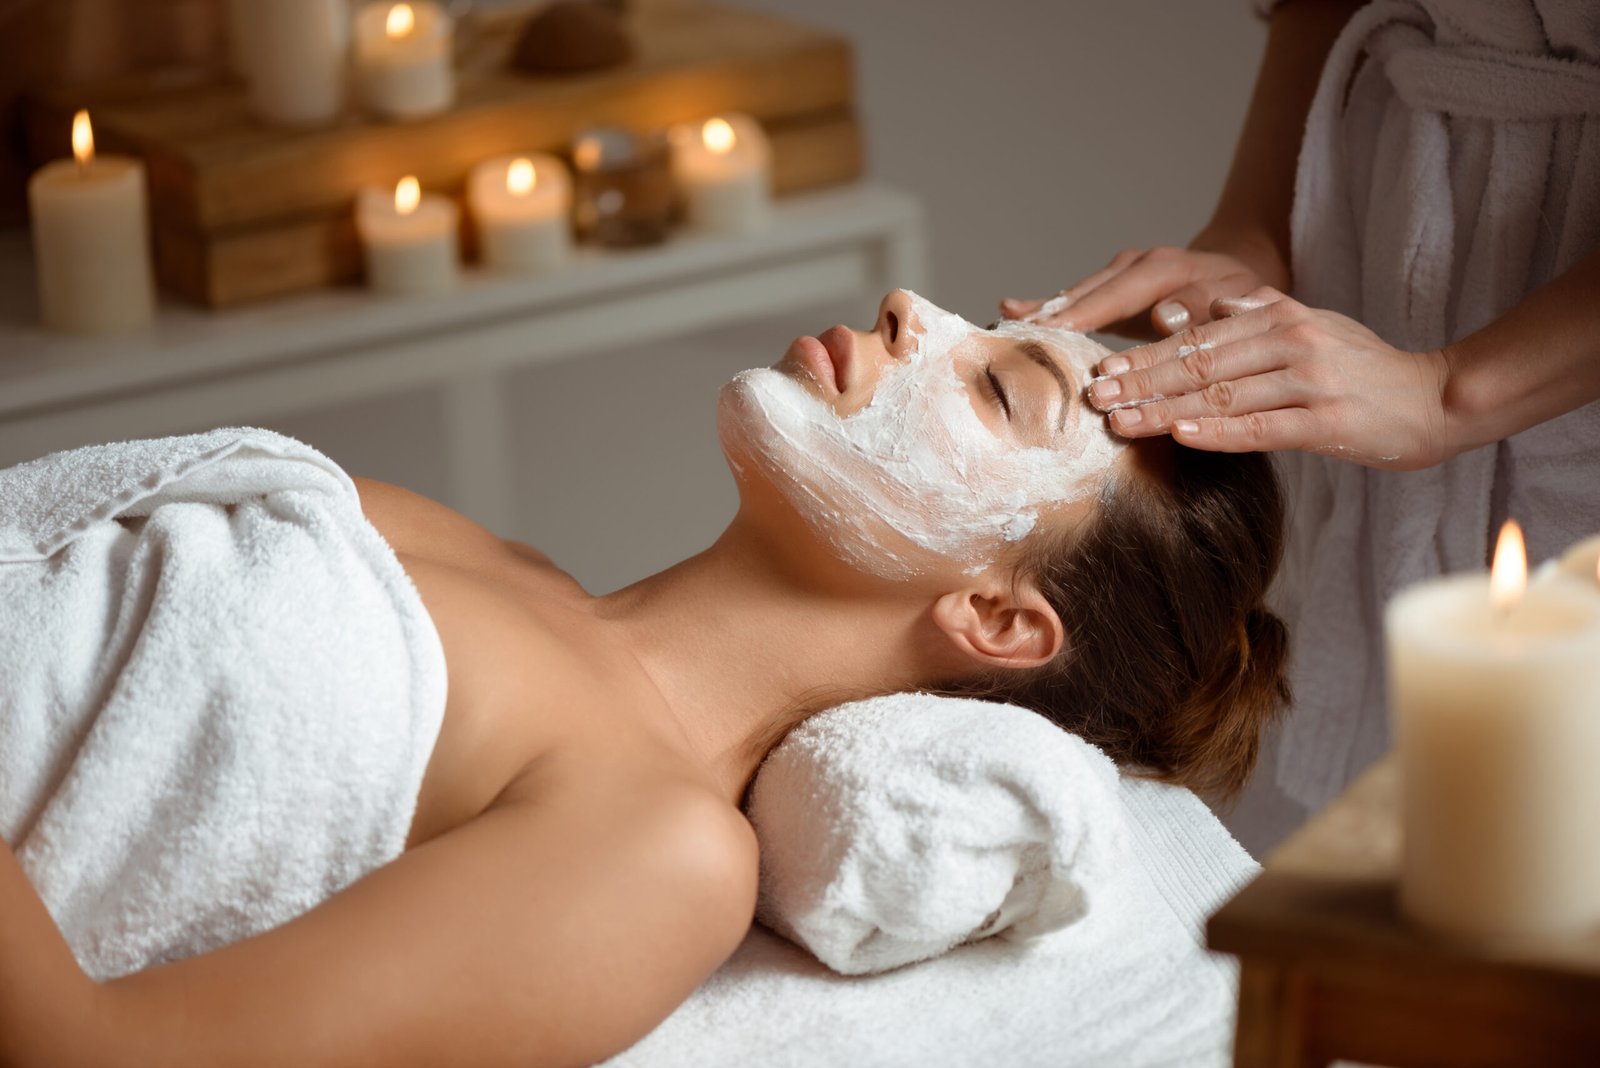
point(242, 210)
point(242, 264)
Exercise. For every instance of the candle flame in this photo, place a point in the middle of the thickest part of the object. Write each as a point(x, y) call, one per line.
point(402, 20)
point(1508, 577)
point(718, 136)
point(407, 195)
point(520, 177)
point(82, 139)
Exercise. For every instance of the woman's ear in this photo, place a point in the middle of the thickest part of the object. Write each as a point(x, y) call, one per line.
point(1001, 627)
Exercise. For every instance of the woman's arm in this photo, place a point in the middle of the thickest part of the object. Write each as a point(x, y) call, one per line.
point(1246, 243)
point(555, 929)
point(45, 998)
point(1279, 375)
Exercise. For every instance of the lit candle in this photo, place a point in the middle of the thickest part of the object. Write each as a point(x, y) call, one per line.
point(404, 58)
point(409, 238)
point(292, 53)
point(91, 240)
point(1495, 693)
point(723, 166)
point(521, 206)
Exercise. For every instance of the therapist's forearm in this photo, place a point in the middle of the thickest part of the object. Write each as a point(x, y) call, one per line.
point(45, 997)
point(1254, 206)
point(1539, 360)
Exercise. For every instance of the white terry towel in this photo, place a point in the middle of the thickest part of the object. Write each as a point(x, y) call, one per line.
point(894, 828)
point(1451, 165)
point(218, 690)
point(1126, 983)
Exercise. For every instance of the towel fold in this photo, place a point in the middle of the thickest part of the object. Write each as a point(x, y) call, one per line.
point(218, 690)
point(895, 828)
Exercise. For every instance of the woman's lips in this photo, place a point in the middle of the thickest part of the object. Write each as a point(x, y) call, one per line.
point(825, 356)
point(840, 344)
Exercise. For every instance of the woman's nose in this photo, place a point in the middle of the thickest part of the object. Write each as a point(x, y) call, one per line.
point(894, 324)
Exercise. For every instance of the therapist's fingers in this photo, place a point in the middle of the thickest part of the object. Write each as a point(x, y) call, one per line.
point(1199, 302)
point(1191, 370)
point(1286, 428)
point(1224, 398)
point(1053, 311)
point(1195, 339)
point(1124, 295)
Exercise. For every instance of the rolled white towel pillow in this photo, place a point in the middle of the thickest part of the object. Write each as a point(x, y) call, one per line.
point(896, 828)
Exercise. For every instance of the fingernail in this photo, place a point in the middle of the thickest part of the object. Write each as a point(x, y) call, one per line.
point(1185, 426)
point(1114, 365)
point(1126, 418)
point(1173, 316)
point(1105, 390)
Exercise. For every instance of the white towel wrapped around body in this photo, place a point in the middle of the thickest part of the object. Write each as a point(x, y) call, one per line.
point(895, 828)
point(218, 690)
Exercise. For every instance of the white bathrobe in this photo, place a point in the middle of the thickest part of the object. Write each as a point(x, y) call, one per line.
point(1451, 165)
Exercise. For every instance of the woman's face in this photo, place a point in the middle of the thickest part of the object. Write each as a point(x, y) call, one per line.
point(926, 441)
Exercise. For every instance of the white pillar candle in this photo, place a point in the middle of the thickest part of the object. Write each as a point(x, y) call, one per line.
point(409, 238)
point(293, 54)
point(1497, 725)
point(91, 242)
point(405, 59)
point(522, 207)
point(723, 167)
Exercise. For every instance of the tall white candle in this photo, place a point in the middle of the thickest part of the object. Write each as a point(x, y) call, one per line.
point(293, 54)
point(1497, 724)
point(91, 241)
point(522, 208)
point(409, 238)
point(724, 169)
point(405, 58)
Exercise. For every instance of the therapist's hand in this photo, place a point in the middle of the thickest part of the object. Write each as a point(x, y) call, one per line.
point(1152, 293)
point(1270, 373)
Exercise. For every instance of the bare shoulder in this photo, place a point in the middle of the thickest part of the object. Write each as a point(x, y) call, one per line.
point(654, 821)
point(412, 523)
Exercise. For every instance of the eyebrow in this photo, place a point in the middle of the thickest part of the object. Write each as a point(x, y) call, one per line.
point(1034, 351)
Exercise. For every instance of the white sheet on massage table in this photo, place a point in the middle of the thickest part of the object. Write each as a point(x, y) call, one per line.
point(1127, 986)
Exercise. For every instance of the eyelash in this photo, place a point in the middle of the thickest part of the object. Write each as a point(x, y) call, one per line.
point(994, 389)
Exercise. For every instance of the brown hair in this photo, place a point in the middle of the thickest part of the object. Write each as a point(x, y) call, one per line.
point(1172, 663)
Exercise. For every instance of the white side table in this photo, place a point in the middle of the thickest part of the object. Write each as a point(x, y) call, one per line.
point(194, 367)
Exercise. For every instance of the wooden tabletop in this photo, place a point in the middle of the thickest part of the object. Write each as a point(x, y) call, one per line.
point(1322, 923)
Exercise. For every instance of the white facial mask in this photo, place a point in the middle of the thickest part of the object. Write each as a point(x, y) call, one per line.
point(915, 473)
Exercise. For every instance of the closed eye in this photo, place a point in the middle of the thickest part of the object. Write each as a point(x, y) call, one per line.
point(995, 391)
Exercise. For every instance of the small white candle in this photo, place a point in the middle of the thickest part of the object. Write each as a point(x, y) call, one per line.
point(404, 58)
point(409, 238)
point(91, 240)
point(293, 54)
point(1495, 693)
point(723, 167)
point(522, 207)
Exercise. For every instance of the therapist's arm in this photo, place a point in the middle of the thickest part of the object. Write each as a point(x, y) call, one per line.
point(1271, 373)
point(1246, 243)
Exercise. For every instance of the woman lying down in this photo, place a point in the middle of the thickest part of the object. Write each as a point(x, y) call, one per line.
point(254, 824)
